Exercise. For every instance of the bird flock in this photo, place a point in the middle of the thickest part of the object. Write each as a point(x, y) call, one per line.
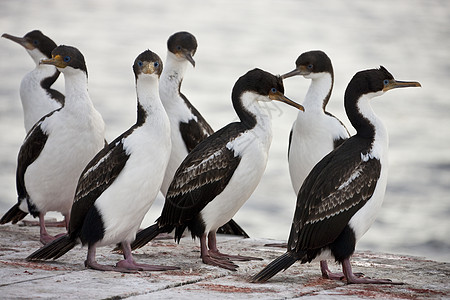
point(104, 188)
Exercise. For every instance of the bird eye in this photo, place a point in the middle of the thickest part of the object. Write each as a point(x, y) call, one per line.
point(156, 64)
point(178, 47)
point(385, 82)
point(66, 58)
point(140, 63)
point(35, 42)
point(273, 90)
point(310, 66)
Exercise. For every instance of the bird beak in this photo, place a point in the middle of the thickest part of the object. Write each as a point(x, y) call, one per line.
point(393, 84)
point(281, 97)
point(189, 57)
point(57, 61)
point(302, 70)
point(19, 40)
point(149, 68)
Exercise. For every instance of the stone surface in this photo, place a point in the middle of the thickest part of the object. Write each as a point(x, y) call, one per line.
point(68, 278)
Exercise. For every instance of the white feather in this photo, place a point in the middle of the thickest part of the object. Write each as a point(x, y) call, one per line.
point(124, 204)
point(177, 111)
point(364, 218)
point(75, 135)
point(313, 132)
point(36, 102)
point(253, 147)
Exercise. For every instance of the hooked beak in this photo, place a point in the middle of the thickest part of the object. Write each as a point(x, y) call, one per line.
point(57, 61)
point(281, 97)
point(19, 40)
point(393, 84)
point(149, 68)
point(188, 56)
point(301, 70)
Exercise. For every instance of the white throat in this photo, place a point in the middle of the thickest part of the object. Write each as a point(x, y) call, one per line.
point(381, 139)
point(321, 84)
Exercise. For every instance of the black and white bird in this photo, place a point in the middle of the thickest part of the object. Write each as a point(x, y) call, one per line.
point(36, 94)
point(340, 198)
point(188, 127)
point(220, 173)
point(120, 183)
point(315, 132)
point(58, 147)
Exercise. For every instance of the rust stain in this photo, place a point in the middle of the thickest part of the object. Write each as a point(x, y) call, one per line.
point(428, 291)
point(234, 289)
point(387, 292)
point(31, 265)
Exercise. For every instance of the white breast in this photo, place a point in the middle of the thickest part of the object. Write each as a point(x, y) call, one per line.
point(253, 147)
point(51, 180)
point(177, 112)
point(364, 218)
point(124, 204)
point(313, 136)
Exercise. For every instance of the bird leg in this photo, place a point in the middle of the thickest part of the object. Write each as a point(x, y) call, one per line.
point(214, 261)
point(352, 278)
point(46, 238)
point(67, 220)
point(214, 252)
point(130, 264)
point(327, 274)
point(91, 263)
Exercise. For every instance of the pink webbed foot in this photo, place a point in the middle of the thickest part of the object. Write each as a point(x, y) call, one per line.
point(219, 262)
point(132, 265)
point(353, 279)
point(327, 274)
point(218, 255)
point(96, 266)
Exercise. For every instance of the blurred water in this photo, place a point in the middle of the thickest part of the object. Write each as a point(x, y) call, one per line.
point(410, 38)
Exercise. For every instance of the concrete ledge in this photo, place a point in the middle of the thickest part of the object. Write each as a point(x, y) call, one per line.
point(68, 279)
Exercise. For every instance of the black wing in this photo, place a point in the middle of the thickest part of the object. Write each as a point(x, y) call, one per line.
point(202, 175)
point(29, 151)
point(327, 201)
point(194, 132)
point(98, 175)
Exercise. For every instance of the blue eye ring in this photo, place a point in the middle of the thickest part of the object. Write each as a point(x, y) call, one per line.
point(156, 64)
point(178, 47)
point(35, 42)
point(273, 90)
point(385, 82)
point(140, 63)
point(310, 66)
point(66, 59)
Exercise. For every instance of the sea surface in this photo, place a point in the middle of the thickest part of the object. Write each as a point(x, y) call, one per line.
point(411, 38)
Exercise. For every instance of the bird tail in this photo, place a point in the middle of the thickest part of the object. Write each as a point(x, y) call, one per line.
point(146, 235)
point(13, 215)
point(279, 264)
point(55, 249)
point(232, 228)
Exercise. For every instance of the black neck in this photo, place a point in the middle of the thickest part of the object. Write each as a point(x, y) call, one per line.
point(363, 126)
point(47, 82)
point(247, 118)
